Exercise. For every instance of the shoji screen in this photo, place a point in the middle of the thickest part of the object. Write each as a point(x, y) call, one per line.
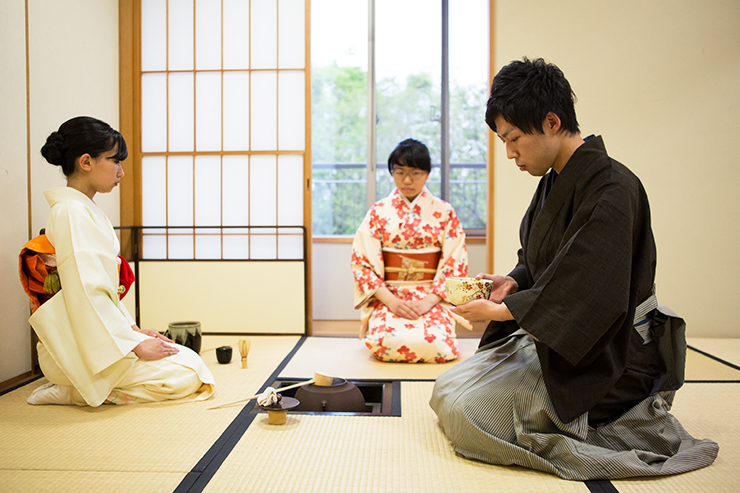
point(223, 150)
point(223, 128)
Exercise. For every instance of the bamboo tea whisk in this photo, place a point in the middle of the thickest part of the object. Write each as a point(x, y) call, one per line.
point(244, 346)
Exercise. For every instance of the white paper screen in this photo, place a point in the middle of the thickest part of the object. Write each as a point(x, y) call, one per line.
point(292, 34)
point(263, 121)
point(208, 111)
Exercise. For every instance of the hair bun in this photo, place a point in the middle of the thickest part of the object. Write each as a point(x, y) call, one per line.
point(52, 150)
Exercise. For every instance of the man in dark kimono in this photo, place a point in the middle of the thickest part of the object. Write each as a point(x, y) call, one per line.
point(577, 347)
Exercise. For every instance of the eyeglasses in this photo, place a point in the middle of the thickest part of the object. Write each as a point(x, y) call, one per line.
point(397, 173)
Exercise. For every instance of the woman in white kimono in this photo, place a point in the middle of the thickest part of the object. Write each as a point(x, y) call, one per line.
point(407, 246)
point(90, 348)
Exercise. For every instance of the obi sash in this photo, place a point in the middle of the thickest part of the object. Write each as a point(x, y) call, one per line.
point(37, 261)
point(410, 266)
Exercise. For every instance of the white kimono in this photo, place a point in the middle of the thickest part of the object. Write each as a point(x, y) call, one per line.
point(85, 330)
point(423, 226)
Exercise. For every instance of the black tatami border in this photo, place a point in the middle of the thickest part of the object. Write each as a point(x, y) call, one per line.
point(21, 384)
point(715, 358)
point(600, 486)
point(198, 477)
point(719, 360)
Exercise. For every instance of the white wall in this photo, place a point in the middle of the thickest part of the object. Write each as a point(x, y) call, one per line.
point(15, 353)
point(659, 80)
point(73, 51)
point(73, 70)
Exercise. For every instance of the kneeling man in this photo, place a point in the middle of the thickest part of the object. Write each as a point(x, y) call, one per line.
point(576, 371)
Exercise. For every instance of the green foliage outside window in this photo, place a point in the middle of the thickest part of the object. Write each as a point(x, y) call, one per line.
point(339, 143)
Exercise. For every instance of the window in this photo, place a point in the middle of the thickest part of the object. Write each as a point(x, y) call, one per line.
point(425, 76)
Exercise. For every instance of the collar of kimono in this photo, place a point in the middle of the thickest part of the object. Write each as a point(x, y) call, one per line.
point(578, 166)
point(58, 194)
point(583, 164)
point(54, 195)
point(423, 195)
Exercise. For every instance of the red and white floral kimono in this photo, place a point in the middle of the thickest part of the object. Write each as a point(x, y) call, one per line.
point(410, 236)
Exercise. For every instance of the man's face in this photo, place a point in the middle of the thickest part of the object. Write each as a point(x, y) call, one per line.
point(534, 153)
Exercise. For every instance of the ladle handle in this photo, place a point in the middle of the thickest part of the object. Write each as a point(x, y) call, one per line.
point(299, 384)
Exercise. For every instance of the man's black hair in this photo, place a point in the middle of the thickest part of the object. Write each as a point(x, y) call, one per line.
point(524, 92)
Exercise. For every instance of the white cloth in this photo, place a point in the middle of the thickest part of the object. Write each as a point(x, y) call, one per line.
point(268, 398)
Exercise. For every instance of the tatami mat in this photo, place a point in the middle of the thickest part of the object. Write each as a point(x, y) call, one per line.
point(725, 349)
point(703, 368)
point(233, 382)
point(126, 439)
point(35, 481)
point(154, 448)
point(347, 357)
point(367, 454)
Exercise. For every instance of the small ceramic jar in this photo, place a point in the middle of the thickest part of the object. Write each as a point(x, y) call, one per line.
point(223, 354)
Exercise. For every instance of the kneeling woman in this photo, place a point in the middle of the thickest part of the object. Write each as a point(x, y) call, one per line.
point(91, 350)
point(407, 246)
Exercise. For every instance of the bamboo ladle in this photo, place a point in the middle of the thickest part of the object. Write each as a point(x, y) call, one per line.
point(319, 379)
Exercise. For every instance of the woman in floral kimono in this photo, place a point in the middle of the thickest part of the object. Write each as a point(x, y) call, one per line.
point(90, 349)
point(407, 246)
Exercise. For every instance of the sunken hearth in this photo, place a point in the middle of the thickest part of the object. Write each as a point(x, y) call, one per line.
point(381, 398)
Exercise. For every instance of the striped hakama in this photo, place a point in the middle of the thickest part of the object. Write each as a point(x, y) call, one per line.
point(494, 407)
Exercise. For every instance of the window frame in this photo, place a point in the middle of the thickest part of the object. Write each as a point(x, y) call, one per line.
point(372, 163)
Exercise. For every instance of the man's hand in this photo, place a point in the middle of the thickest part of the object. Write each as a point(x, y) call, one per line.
point(478, 310)
point(154, 349)
point(502, 286)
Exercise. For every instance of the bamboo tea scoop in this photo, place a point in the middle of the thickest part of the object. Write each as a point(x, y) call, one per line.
point(319, 379)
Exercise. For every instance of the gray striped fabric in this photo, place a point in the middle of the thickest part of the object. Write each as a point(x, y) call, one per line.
point(494, 407)
point(650, 304)
point(642, 322)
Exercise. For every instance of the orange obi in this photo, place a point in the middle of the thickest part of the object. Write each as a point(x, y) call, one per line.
point(410, 266)
point(37, 261)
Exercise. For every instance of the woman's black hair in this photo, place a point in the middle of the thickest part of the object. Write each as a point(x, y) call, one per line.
point(78, 136)
point(524, 92)
point(411, 153)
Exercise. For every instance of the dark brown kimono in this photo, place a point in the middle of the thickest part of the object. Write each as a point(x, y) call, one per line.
point(587, 260)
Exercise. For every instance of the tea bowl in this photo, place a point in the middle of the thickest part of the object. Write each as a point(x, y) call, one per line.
point(461, 290)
